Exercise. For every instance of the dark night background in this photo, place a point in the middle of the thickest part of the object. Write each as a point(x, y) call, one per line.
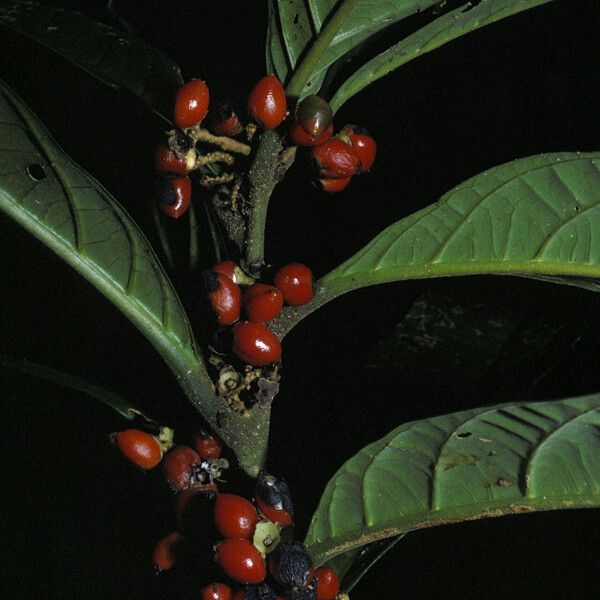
point(80, 523)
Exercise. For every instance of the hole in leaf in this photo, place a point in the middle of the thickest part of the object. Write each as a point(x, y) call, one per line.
point(465, 434)
point(36, 172)
point(296, 18)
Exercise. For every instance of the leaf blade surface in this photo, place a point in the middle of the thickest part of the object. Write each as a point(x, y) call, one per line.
point(478, 463)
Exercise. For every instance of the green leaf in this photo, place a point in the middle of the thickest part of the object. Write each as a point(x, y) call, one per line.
point(295, 25)
point(112, 56)
point(442, 30)
point(536, 217)
point(73, 382)
point(484, 462)
point(72, 214)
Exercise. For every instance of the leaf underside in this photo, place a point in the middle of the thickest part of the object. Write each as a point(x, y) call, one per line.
point(294, 25)
point(485, 462)
point(72, 214)
point(112, 56)
point(73, 382)
point(42, 189)
point(536, 217)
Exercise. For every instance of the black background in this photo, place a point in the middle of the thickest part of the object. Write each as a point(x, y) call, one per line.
point(82, 524)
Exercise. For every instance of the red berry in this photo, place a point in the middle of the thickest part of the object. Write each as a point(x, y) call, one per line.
point(235, 517)
point(267, 104)
point(207, 446)
point(224, 296)
point(175, 196)
point(217, 591)
point(141, 448)
point(166, 161)
point(331, 186)
point(273, 499)
point(295, 281)
point(314, 115)
point(277, 515)
point(241, 560)
point(335, 159)
point(225, 121)
point(233, 271)
point(165, 551)
point(180, 467)
point(328, 584)
point(262, 302)
point(255, 344)
point(191, 103)
point(298, 136)
point(363, 145)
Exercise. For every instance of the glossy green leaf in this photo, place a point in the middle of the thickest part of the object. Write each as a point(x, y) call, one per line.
point(110, 55)
point(72, 214)
point(484, 462)
point(536, 217)
point(295, 25)
point(442, 30)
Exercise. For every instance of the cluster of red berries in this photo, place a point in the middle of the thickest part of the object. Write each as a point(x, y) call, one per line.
point(252, 550)
point(253, 342)
point(174, 161)
point(350, 152)
point(337, 158)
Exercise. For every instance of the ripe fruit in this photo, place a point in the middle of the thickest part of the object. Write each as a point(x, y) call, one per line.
point(262, 302)
point(295, 282)
point(241, 560)
point(224, 296)
point(262, 591)
point(181, 467)
point(235, 517)
point(363, 145)
point(273, 499)
point(166, 161)
point(165, 551)
point(141, 448)
point(314, 115)
point(225, 121)
point(331, 186)
point(335, 159)
point(291, 565)
point(298, 136)
point(233, 271)
point(207, 446)
point(191, 103)
point(328, 584)
point(217, 591)
point(175, 195)
point(255, 344)
point(267, 104)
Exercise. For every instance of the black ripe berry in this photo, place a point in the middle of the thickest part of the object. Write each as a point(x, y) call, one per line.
point(262, 591)
point(273, 499)
point(291, 565)
point(307, 593)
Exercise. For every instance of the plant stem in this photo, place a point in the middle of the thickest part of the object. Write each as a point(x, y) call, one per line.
point(290, 316)
point(263, 177)
point(194, 250)
point(303, 71)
